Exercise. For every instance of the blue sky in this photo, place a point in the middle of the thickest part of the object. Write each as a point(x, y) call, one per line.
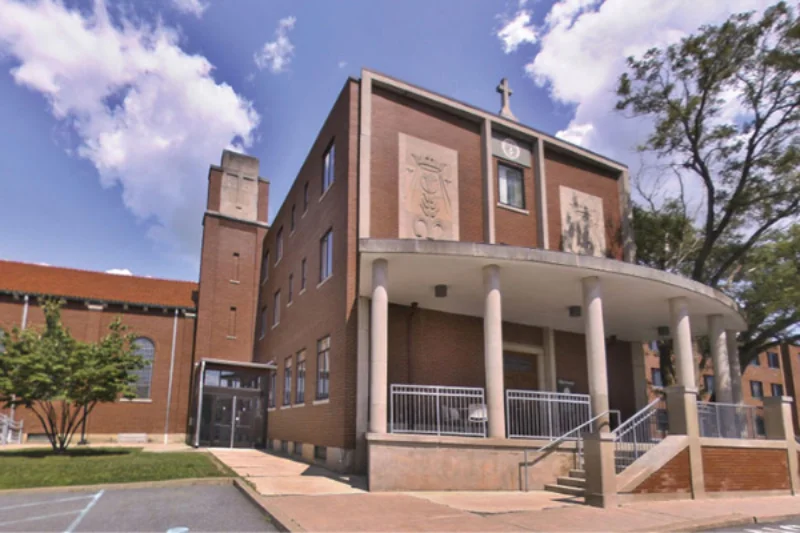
point(109, 125)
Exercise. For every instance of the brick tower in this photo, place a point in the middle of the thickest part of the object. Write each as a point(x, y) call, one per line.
point(234, 226)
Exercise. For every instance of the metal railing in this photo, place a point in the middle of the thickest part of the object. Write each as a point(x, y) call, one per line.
point(434, 410)
point(544, 415)
point(10, 431)
point(575, 434)
point(640, 433)
point(730, 420)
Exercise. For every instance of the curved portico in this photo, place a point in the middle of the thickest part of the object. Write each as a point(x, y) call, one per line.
point(597, 297)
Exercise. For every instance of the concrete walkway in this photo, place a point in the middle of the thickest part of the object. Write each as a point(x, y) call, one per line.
point(272, 474)
point(311, 498)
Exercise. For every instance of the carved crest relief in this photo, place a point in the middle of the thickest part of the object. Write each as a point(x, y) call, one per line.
point(428, 190)
point(582, 223)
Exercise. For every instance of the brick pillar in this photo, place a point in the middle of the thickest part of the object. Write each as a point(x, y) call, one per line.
point(601, 473)
point(779, 426)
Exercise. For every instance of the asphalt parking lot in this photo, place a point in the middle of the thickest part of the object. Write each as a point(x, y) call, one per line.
point(173, 510)
point(785, 526)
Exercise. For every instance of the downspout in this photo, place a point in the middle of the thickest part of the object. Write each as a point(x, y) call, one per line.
point(199, 404)
point(24, 324)
point(171, 370)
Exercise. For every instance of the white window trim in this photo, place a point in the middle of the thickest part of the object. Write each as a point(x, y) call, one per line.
point(513, 209)
point(322, 402)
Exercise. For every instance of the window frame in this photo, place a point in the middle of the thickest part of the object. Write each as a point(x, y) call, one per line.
point(263, 321)
point(292, 222)
point(653, 372)
point(287, 381)
point(323, 388)
point(328, 167)
point(521, 172)
point(772, 387)
point(279, 245)
point(326, 255)
point(290, 292)
point(305, 198)
point(706, 379)
point(300, 378)
point(303, 275)
point(276, 308)
point(760, 386)
point(265, 267)
point(147, 370)
point(777, 359)
point(272, 390)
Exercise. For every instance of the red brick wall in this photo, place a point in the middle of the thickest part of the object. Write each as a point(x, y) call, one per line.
point(124, 416)
point(731, 469)
point(675, 476)
point(393, 114)
point(791, 368)
point(327, 309)
point(513, 227)
point(569, 172)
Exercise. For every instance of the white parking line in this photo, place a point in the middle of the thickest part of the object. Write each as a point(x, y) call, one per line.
point(40, 517)
point(34, 504)
point(86, 509)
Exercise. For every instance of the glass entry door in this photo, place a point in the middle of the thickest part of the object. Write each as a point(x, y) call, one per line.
point(231, 421)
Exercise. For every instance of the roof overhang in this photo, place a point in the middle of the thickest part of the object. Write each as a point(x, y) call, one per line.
point(239, 364)
point(539, 286)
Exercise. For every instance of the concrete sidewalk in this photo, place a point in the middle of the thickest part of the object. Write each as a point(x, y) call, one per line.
point(535, 511)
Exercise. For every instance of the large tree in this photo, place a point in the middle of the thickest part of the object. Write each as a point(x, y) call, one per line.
point(725, 108)
point(60, 379)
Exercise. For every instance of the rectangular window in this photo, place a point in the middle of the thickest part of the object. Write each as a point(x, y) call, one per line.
point(265, 268)
point(328, 164)
point(326, 256)
point(323, 367)
point(279, 246)
point(285, 446)
point(235, 267)
point(291, 219)
point(298, 448)
point(761, 429)
point(263, 322)
point(511, 185)
point(287, 381)
point(777, 389)
point(305, 197)
point(276, 309)
point(756, 361)
point(300, 395)
point(773, 360)
point(708, 383)
point(303, 274)
point(655, 375)
point(320, 453)
point(756, 389)
point(232, 322)
point(290, 296)
point(273, 383)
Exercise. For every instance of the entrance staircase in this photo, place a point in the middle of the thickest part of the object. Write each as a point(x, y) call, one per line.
point(572, 485)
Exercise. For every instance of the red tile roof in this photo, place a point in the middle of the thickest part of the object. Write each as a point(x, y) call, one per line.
point(26, 278)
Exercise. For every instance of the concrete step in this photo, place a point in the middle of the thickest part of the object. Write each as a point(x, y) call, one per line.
point(570, 491)
point(571, 482)
point(577, 473)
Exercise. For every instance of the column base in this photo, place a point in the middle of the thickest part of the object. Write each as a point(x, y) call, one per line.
point(601, 473)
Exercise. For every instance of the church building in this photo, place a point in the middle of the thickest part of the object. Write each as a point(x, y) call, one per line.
point(446, 299)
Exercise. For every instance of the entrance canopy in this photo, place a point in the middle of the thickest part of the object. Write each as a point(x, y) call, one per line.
point(539, 286)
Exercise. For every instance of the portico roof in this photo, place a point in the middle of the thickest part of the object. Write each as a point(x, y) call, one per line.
point(538, 286)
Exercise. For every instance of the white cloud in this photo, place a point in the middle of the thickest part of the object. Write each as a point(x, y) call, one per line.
point(583, 45)
point(191, 7)
point(517, 31)
point(120, 272)
point(149, 116)
point(276, 55)
point(342, 64)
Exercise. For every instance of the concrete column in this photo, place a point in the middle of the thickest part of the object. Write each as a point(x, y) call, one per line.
point(362, 385)
point(682, 415)
point(601, 474)
point(779, 426)
point(682, 342)
point(719, 356)
point(378, 347)
point(493, 351)
point(595, 348)
point(550, 359)
point(734, 366)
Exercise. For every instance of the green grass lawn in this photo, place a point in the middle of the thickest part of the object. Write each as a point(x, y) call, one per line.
point(88, 466)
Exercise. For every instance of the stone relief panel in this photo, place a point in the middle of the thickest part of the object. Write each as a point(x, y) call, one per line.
point(239, 196)
point(582, 223)
point(428, 195)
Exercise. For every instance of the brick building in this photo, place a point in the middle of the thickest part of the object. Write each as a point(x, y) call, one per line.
point(442, 290)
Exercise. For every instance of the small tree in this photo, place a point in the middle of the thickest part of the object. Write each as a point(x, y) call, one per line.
point(60, 379)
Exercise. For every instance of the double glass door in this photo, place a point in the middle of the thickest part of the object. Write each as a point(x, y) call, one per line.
point(231, 420)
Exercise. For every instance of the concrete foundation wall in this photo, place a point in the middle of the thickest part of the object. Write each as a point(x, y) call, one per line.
point(414, 462)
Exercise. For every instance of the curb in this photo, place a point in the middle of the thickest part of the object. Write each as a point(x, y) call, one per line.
point(187, 482)
point(700, 525)
point(280, 520)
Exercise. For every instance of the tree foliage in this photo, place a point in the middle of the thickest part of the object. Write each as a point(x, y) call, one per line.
point(60, 379)
point(725, 107)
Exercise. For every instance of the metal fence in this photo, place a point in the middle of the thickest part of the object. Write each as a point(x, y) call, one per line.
point(434, 410)
point(730, 420)
point(545, 415)
point(640, 433)
point(10, 431)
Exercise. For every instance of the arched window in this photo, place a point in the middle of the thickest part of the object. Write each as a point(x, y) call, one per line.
point(144, 348)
